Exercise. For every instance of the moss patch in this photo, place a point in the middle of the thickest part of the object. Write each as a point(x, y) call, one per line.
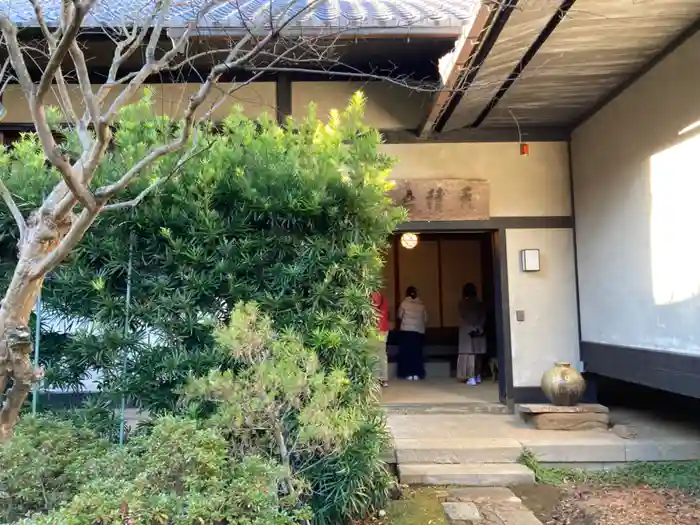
point(419, 506)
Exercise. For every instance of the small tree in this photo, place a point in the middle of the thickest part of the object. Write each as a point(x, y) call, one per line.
point(282, 402)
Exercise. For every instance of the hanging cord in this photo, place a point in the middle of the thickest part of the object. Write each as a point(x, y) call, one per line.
point(122, 415)
point(37, 336)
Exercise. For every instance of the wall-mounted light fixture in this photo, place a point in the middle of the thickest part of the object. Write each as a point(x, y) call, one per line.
point(524, 149)
point(530, 260)
point(409, 240)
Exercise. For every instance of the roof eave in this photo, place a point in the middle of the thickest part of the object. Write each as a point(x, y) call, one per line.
point(348, 33)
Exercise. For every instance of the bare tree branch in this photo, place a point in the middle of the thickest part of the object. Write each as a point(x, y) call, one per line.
point(14, 209)
point(64, 98)
point(3, 71)
point(37, 95)
point(124, 49)
point(132, 203)
point(14, 50)
point(4, 85)
point(162, 8)
point(76, 14)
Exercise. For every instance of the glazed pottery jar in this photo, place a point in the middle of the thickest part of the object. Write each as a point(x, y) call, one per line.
point(563, 385)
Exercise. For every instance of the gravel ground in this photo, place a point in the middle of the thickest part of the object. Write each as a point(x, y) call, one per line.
point(593, 505)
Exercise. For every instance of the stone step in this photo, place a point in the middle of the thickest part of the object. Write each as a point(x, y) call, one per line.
point(466, 408)
point(456, 451)
point(470, 475)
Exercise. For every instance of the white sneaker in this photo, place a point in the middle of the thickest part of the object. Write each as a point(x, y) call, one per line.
point(471, 381)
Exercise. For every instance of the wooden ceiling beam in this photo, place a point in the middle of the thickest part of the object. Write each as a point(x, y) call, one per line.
point(453, 65)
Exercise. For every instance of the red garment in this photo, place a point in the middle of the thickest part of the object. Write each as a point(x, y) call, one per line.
point(382, 308)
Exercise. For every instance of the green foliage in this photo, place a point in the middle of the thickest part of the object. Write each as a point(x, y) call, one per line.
point(96, 414)
point(281, 390)
point(282, 404)
point(179, 473)
point(549, 475)
point(349, 483)
point(680, 475)
point(57, 473)
point(30, 177)
point(294, 219)
point(44, 464)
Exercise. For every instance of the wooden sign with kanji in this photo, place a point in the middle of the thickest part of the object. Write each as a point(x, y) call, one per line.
point(443, 199)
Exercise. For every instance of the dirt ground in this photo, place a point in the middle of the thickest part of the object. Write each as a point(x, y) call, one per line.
point(601, 505)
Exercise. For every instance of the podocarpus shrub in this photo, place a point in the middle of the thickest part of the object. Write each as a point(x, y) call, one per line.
point(294, 219)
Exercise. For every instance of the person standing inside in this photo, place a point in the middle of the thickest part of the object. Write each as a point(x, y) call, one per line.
point(472, 338)
point(414, 318)
point(382, 309)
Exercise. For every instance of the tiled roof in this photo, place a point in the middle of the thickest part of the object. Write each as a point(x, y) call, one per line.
point(366, 16)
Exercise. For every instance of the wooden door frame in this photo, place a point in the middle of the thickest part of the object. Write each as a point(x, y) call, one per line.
point(497, 239)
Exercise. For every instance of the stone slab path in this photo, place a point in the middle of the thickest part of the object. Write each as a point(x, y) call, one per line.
point(491, 438)
point(486, 506)
point(450, 449)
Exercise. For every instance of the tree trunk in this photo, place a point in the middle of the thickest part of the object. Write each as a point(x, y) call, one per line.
point(17, 373)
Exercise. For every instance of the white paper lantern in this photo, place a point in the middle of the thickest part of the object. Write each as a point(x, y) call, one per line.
point(409, 240)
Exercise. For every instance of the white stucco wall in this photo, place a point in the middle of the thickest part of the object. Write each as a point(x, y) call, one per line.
point(549, 332)
point(532, 186)
point(636, 187)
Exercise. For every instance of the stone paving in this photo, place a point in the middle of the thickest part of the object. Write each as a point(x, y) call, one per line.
point(488, 438)
point(486, 506)
point(452, 448)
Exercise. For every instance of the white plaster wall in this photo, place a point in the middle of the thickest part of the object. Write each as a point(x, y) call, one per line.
point(549, 332)
point(636, 188)
point(533, 186)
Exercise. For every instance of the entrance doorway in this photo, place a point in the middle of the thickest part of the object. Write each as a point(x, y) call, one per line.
point(439, 265)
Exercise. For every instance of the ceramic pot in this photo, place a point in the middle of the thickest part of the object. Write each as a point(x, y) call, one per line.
point(563, 385)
